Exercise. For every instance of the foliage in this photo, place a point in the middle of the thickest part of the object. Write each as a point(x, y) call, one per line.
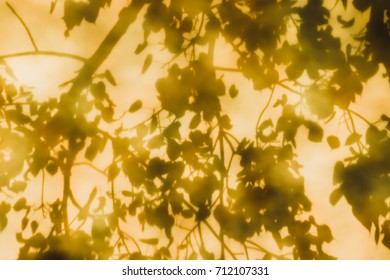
point(182, 164)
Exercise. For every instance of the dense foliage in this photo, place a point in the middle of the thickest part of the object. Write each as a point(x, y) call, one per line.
point(185, 171)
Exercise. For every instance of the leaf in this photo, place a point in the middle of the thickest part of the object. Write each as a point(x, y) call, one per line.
point(278, 239)
point(233, 91)
point(17, 117)
point(19, 237)
point(127, 193)
point(113, 172)
point(141, 47)
point(98, 90)
point(165, 252)
point(156, 167)
point(295, 70)
point(110, 78)
point(345, 23)
point(325, 233)
point(53, 6)
point(362, 217)
point(101, 204)
point(173, 131)
point(156, 142)
point(187, 213)
point(37, 241)
point(376, 234)
point(361, 5)
point(34, 226)
point(353, 138)
point(10, 91)
point(18, 186)
point(20, 204)
point(265, 131)
point(335, 196)
point(4, 208)
point(288, 241)
point(195, 121)
point(135, 106)
point(134, 171)
point(153, 124)
point(3, 222)
point(52, 168)
point(338, 172)
point(267, 256)
point(333, 142)
point(92, 151)
point(147, 63)
point(316, 132)
point(205, 254)
point(24, 223)
point(193, 256)
point(99, 229)
point(345, 2)
point(282, 102)
point(173, 149)
point(365, 68)
point(91, 12)
point(73, 14)
point(186, 25)
point(150, 241)
point(225, 122)
point(142, 130)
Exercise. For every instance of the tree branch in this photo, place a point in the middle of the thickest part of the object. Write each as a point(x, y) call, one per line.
point(24, 25)
point(126, 17)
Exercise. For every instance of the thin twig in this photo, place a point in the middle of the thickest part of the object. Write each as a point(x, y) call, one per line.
point(289, 88)
point(221, 196)
point(263, 111)
point(74, 201)
point(66, 192)
point(262, 249)
point(92, 166)
point(24, 25)
point(116, 214)
point(132, 239)
point(185, 239)
point(217, 237)
point(212, 230)
point(361, 117)
point(227, 69)
point(354, 130)
point(246, 251)
point(43, 193)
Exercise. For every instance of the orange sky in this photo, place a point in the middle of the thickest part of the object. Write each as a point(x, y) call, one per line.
point(352, 241)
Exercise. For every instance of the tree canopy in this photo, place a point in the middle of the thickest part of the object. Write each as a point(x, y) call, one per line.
point(181, 170)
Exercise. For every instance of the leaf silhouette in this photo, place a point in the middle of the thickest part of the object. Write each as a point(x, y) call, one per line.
point(335, 196)
point(135, 106)
point(233, 91)
point(333, 142)
point(150, 241)
point(110, 78)
point(352, 139)
point(3, 222)
point(316, 132)
point(20, 204)
point(147, 63)
point(345, 23)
